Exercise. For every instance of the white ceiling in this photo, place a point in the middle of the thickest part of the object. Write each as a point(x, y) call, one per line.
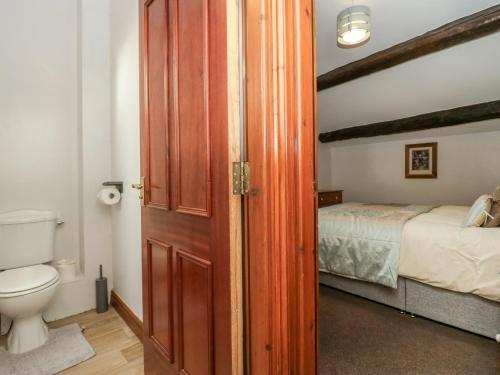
point(465, 74)
point(392, 22)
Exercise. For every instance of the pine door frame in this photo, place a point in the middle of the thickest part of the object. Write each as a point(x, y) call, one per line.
point(280, 211)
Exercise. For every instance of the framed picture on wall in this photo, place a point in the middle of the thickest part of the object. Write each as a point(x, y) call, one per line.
point(421, 160)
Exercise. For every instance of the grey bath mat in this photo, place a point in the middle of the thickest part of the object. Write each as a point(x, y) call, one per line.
point(66, 347)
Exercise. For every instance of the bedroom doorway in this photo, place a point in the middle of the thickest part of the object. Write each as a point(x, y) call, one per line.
point(408, 237)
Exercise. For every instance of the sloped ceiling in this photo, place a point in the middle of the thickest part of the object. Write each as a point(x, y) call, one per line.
point(465, 74)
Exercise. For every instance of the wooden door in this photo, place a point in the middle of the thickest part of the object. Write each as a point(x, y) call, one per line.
point(281, 209)
point(185, 162)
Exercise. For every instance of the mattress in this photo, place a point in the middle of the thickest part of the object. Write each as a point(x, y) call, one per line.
point(437, 250)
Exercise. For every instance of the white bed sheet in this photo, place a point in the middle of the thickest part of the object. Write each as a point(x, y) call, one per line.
point(437, 250)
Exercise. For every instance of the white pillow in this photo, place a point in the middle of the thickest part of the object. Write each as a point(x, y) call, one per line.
point(477, 216)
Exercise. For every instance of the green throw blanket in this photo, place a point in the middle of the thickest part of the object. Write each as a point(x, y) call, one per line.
point(362, 241)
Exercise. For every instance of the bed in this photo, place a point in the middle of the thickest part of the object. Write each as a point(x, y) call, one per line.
point(419, 259)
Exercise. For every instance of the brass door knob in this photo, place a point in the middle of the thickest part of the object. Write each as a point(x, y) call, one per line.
point(140, 187)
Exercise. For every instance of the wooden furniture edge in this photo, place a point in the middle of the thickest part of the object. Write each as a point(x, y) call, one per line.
point(322, 203)
point(132, 320)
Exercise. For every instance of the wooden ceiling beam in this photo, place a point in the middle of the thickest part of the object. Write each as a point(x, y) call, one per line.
point(460, 31)
point(439, 119)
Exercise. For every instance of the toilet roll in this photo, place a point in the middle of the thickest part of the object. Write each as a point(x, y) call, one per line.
point(109, 196)
point(67, 270)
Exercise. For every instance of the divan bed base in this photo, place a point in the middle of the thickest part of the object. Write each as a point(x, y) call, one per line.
point(465, 311)
point(375, 292)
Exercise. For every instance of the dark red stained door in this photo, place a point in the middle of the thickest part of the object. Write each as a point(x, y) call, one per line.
point(184, 161)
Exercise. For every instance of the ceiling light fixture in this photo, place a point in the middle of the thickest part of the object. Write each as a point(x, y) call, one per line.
point(353, 26)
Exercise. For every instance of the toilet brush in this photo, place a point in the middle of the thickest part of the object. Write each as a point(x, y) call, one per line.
point(101, 293)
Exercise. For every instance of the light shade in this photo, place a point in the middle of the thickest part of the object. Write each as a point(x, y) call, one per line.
point(353, 26)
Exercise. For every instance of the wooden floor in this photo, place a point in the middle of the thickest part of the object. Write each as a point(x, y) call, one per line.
point(118, 350)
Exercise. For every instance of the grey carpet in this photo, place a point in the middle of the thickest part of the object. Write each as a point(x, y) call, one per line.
point(66, 347)
point(358, 336)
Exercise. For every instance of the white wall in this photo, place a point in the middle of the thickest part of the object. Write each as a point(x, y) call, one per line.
point(468, 166)
point(125, 151)
point(39, 113)
point(372, 169)
point(69, 120)
point(54, 129)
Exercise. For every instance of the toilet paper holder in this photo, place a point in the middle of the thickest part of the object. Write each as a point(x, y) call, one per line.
point(116, 184)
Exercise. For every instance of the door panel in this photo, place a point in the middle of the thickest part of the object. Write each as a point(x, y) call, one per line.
point(185, 164)
point(192, 115)
point(156, 133)
point(161, 331)
point(195, 326)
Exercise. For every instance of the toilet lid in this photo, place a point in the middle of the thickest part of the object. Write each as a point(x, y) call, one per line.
point(27, 278)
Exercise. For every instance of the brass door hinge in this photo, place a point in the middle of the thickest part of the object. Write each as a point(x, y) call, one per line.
point(241, 177)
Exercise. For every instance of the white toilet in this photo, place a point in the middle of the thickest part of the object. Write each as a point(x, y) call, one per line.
point(26, 284)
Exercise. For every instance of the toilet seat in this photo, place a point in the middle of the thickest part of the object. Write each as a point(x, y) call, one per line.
point(26, 280)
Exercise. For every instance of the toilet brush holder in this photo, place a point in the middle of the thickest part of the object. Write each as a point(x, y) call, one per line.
point(101, 293)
